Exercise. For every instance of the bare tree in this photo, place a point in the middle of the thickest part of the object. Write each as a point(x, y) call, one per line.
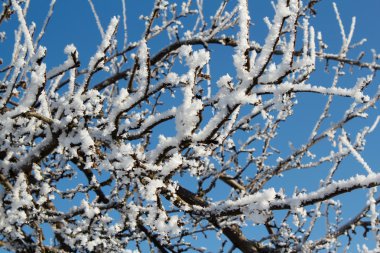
point(144, 149)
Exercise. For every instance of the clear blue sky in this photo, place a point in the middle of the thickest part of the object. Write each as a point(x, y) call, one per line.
point(73, 22)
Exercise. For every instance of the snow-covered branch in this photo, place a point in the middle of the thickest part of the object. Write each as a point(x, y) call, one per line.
point(200, 125)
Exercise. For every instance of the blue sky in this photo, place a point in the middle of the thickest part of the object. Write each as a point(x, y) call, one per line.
point(73, 22)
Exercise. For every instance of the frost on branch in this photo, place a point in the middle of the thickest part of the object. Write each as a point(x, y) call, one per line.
point(201, 129)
